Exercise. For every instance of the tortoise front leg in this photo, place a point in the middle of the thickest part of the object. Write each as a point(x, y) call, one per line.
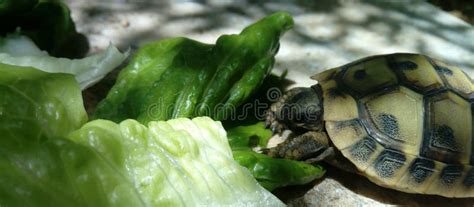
point(312, 146)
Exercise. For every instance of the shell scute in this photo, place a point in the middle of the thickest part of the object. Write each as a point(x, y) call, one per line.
point(363, 78)
point(418, 78)
point(448, 135)
point(455, 78)
point(385, 117)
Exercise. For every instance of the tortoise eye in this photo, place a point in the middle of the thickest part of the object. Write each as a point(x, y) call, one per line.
point(360, 74)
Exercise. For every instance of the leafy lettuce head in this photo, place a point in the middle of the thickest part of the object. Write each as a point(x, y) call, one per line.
point(48, 159)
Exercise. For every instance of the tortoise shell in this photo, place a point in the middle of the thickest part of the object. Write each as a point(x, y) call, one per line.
point(405, 121)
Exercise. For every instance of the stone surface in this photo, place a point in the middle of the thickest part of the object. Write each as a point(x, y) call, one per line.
point(340, 188)
point(326, 34)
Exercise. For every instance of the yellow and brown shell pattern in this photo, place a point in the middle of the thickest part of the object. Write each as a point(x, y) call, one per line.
point(405, 121)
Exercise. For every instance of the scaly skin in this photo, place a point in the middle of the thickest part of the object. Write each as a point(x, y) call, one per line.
point(310, 140)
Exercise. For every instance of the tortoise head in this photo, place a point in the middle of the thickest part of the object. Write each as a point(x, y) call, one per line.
point(301, 109)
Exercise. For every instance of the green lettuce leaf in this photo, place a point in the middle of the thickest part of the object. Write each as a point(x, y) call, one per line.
point(47, 160)
point(246, 136)
point(180, 77)
point(270, 172)
point(31, 99)
point(273, 173)
point(19, 45)
point(180, 162)
point(15, 6)
point(47, 22)
point(21, 51)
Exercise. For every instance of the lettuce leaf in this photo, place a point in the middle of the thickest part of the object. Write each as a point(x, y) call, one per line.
point(47, 22)
point(21, 51)
point(270, 172)
point(47, 160)
point(246, 136)
point(34, 100)
point(180, 77)
point(36, 109)
point(19, 45)
point(274, 173)
point(15, 6)
point(180, 162)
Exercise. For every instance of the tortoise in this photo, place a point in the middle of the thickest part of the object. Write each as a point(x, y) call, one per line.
point(404, 121)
